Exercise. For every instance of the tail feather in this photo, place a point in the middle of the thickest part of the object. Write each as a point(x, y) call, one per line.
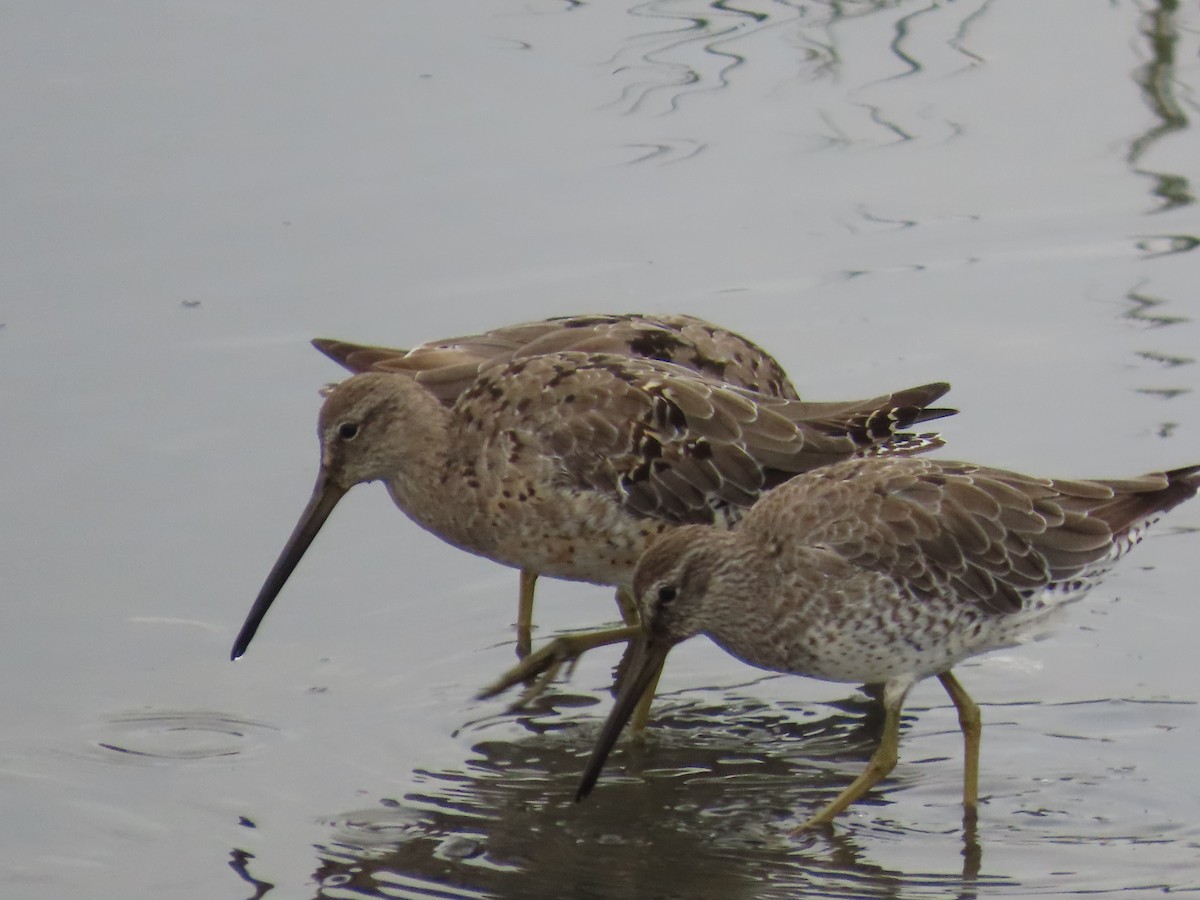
point(1129, 513)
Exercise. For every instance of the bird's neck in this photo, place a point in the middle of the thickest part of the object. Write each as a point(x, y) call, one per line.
point(430, 482)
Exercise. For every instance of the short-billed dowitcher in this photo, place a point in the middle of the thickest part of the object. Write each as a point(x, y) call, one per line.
point(885, 570)
point(570, 463)
point(447, 367)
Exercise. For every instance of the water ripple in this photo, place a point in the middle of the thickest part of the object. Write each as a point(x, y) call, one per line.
point(162, 736)
point(699, 810)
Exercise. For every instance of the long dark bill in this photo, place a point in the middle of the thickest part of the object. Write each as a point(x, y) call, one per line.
point(644, 664)
point(325, 497)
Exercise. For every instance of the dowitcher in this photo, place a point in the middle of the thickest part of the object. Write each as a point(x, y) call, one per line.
point(885, 570)
point(447, 367)
point(570, 463)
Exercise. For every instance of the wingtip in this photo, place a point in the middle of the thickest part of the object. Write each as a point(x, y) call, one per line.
point(1188, 474)
point(930, 392)
point(928, 414)
point(328, 346)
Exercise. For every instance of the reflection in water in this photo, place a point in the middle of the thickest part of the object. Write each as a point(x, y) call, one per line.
point(711, 793)
point(663, 62)
point(240, 861)
point(1144, 310)
point(911, 65)
point(667, 151)
point(701, 809)
point(959, 40)
point(1167, 244)
point(1158, 82)
point(1148, 312)
point(702, 44)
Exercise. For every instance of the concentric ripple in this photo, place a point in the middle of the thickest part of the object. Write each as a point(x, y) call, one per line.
point(172, 736)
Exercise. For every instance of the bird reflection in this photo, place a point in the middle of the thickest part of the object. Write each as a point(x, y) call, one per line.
point(685, 820)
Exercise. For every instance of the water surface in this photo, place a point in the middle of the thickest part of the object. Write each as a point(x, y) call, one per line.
point(993, 193)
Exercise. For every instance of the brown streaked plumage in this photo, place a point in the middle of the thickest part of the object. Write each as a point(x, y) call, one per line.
point(448, 367)
point(571, 463)
point(885, 570)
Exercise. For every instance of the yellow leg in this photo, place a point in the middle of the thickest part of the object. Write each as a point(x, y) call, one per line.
point(566, 649)
point(547, 661)
point(525, 613)
point(641, 715)
point(630, 614)
point(971, 724)
point(882, 762)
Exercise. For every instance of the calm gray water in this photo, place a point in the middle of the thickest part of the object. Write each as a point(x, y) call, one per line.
point(1000, 194)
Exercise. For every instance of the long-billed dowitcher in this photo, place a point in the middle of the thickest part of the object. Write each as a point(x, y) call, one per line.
point(570, 463)
point(447, 367)
point(885, 570)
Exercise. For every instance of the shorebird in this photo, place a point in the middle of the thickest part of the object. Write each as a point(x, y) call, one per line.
point(448, 367)
point(570, 463)
point(885, 570)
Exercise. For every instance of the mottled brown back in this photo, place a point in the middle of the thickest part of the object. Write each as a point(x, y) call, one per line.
point(989, 537)
point(668, 443)
point(447, 367)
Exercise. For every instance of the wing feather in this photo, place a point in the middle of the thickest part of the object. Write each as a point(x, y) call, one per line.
point(992, 538)
point(664, 441)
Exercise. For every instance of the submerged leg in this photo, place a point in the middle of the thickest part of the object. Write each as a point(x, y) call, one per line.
point(882, 761)
point(971, 724)
point(525, 613)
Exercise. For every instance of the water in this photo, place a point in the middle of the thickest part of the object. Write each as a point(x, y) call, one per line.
point(998, 194)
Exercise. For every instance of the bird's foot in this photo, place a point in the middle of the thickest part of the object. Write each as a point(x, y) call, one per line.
point(538, 670)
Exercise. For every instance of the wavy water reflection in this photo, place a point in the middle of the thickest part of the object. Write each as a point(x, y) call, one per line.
point(1151, 313)
point(689, 57)
point(241, 861)
point(703, 45)
point(1162, 89)
point(702, 808)
point(709, 794)
point(1158, 82)
point(1167, 245)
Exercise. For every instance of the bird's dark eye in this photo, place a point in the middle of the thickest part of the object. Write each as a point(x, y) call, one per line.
point(666, 593)
point(348, 431)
